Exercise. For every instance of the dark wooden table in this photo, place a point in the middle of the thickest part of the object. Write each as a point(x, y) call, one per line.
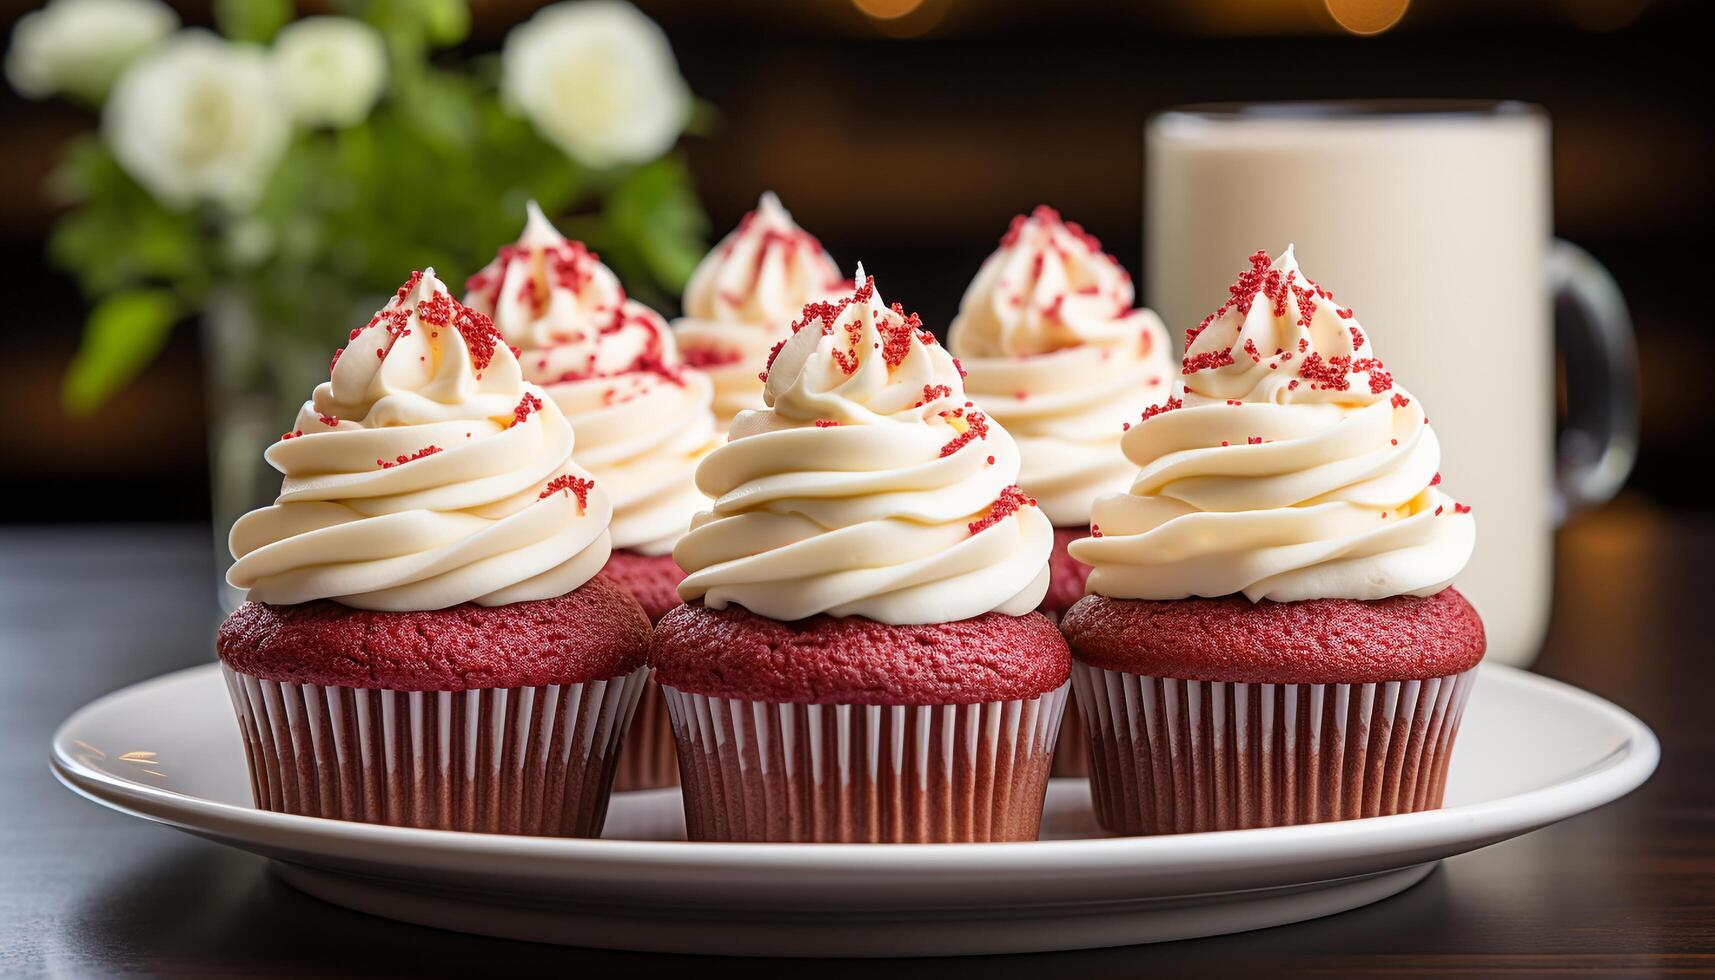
point(87, 892)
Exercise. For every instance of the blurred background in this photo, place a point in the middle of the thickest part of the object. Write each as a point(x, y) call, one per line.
point(905, 133)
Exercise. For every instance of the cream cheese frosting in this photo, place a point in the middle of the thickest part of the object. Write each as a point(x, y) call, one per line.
point(425, 473)
point(1057, 355)
point(611, 365)
point(1286, 465)
point(868, 486)
point(745, 295)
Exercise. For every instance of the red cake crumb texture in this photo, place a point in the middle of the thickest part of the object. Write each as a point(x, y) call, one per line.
point(734, 653)
point(652, 579)
point(594, 632)
point(1066, 575)
point(1317, 641)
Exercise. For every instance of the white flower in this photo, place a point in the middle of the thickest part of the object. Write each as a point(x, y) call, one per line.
point(198, 120)
point(598, 80)
point(330, 69)
point(81, 46)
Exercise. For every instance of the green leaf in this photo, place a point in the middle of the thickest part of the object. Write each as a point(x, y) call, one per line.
point(413, 24)
point(655, 212)
point(255, 21)
point(124, 332)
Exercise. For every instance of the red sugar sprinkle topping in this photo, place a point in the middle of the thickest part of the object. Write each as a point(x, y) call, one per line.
point(1095, 530)
point(991, 460)
point(1209, 360)
point(529, 403)
point(703, 358)
point(976, 428)
point(826, 423)
point(335, 362)
point(1435, 480)
point(1461, 508)
point(1250, 348)
point(327, 420)
point(577, 486)
point(1400, 401)
point(295, 433)
point(1253, 440)
point(480, 335)
point(932, 392)
point(1357, 337)
point(402, 460)
point(1438, 511)
point(1007, 504)
point(1169, 405)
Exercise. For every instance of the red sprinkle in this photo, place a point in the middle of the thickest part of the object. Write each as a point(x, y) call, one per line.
point(826, 423)
point(932, 392)
point(327, 420)
point(1007, 504)
point(402, 460)
point(1095, 530)
point(1461, 508)
point(1169, 405)
point(1435, 480)
point(1400, 401)
point(976, 427)
point(577, 486)
point(703, 358)
point(529, 403)
point(295, 433)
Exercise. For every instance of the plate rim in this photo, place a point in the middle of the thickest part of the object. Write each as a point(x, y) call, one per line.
point(1628, 766)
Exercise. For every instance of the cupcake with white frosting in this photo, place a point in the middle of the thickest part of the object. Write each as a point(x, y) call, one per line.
point(643, 417)
point(743, 298)
point(428, 572)
point(861, 604)
point(1277, 578)
point(1056, 353)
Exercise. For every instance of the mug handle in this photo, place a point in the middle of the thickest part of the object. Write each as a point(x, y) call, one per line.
point(1598, 439)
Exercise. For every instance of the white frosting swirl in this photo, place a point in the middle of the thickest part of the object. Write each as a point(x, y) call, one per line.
point(424, 474)
point(869, 487)
point(610, 363)
point(1286, 465)
point(1056, 354)
point(744, 297)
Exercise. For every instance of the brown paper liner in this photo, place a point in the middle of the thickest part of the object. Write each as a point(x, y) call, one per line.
point(649, 759)
point(1172, 756)
point(755, 771)
point(529, 760)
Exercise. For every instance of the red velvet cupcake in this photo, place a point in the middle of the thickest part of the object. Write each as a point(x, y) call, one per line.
point(427, 641)
point(938, 727)
point(1271, 637)
point(1056, 353)
point(860, 659)
point(644, 419)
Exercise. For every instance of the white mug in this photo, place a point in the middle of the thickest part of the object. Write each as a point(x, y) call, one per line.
point(1432, 221)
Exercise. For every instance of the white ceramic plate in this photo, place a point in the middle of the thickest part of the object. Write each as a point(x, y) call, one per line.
point(1531, 751)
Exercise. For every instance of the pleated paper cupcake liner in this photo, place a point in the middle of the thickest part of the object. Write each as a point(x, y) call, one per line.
point(528, 760)
point(1173, 756)
point(649, 759)
point(756, 771)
